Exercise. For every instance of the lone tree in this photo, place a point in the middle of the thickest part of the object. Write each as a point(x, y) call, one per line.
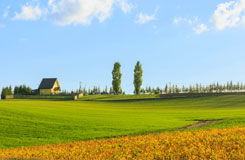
point(116, 78)
point(138, 73)
point(166, 90)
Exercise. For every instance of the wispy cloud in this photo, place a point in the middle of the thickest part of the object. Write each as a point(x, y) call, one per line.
point(200, 28)
point(143, 18)
point(197, 27)
point(179, 20)
point(229, 14)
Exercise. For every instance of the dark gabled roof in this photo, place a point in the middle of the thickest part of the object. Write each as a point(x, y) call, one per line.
point(47, 83)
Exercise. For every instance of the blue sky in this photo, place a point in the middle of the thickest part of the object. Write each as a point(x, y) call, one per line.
point(182, 42)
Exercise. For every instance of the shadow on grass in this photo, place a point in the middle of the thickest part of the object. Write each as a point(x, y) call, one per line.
point(102, 99)
point(47, 99)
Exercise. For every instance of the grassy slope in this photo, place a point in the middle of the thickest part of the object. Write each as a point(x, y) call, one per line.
point(37, 122)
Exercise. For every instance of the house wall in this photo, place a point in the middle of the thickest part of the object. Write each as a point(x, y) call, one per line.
point(80, 95)
point(55, 85)
point(45, 91)
point(9, 97)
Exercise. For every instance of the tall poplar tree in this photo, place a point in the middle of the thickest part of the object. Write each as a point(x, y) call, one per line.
point(116, 78)
point(166, 90)
point(138, 73)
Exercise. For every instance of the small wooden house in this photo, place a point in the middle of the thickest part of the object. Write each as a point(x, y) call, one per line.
point(49, 86)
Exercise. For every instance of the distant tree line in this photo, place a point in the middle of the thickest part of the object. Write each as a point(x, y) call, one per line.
point(96, 90)
point(197, 88)
point(18, 90)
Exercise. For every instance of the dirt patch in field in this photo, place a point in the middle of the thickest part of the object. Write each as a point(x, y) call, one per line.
point(201, 123)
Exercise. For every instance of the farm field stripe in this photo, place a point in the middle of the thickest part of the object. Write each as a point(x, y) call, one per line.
point(226, 143)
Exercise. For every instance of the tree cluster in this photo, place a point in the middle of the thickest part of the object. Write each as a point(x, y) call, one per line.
point(117, 75)
point(6, 91)
point(96, 90)
point(22, 90)
point(151, 90)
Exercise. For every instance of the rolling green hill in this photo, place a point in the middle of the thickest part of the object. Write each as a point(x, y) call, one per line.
point(38, 122)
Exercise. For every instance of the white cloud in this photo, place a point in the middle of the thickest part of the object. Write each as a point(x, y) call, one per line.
point(176, 20)
point(143, 18)
point(126, 7)
point(29, 12)
point(72, 12)
point(67, 12)
point(200, 28)
point(179, 20)
point(229, 14)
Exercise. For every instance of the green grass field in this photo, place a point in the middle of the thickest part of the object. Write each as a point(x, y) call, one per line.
point(38, 122)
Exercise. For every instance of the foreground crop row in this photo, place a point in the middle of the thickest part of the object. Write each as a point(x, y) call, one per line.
point(205, 144)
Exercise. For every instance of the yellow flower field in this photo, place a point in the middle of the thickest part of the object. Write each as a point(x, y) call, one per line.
point(205, 144)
